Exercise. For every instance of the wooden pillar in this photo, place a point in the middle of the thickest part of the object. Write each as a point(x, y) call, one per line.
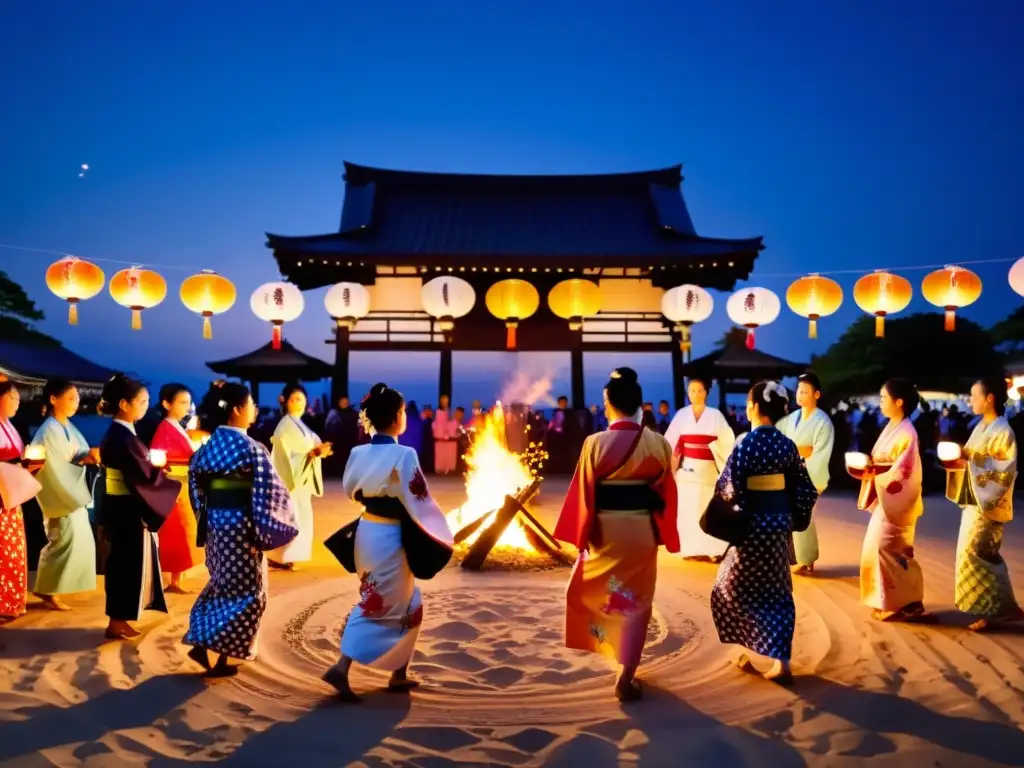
point(678, 379)
point(339, 381)
point(576, 364)
point(254, 390)
point(444, 375)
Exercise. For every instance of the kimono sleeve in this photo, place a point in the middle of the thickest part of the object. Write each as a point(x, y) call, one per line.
point(994, 477)
point(724, 443)
point(273, 514)
point(821, 445)
point(576, 520)
point(666, 520)
point(899, 488)
point(801, 489)
point(732, 483)
point(64, 485)
point(418, 502)
point(291, 455)
point(150, 484)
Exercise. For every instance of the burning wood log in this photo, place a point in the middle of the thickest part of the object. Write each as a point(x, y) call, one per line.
point(499, 521)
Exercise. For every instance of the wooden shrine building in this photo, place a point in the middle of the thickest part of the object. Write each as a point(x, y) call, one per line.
point(630, 233)
point(736, 369)
point(269, 365)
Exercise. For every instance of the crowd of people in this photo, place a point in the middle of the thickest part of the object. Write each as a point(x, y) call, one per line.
point(197, 485)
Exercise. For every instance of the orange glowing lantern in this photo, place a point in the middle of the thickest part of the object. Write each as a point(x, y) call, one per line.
point(74, 280)
point(138, 289)
point(880, 294)
point(951, 288)
point(685, 305)
point(277, 304)
point(574, 300)
point(814, 297)
point(207, 294)
point(1016, 276)
point(752, 308)
point(512, 301)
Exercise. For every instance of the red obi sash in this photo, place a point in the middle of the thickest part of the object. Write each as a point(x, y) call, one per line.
point(695, 447)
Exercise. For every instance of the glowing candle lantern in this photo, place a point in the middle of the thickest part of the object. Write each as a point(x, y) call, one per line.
point(157, 457)
point(1016, 276)
point(74, 280)
point(512, 301)
point(347, 303)
point(277, 304)
point(948, 451)
point(574, 300)
point(138, 289)
point(814, 297)
point(207, 294)
point(685, 305)
point(447, 299)
point(752, 308)
point(951, 288)
point(34, 455)
point(857, 460)
point(880, 294)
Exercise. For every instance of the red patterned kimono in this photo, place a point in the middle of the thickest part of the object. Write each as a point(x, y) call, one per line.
point(16, 487)
point(178, 533)
point(620, 506)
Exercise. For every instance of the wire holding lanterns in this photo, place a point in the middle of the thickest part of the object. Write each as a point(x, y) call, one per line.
point(574, 300)
point(752, 308)
point(882, 294)
point(138, 289)
point(74, 280)
point(277, 304)
point(951, 288)
point(446, 299)
point(207, 294)
point(512, 301)
point(686, 305)
point(814, 297)
point(347, 303)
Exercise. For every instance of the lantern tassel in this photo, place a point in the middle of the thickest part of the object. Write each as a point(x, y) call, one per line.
point(880, 326)
point(207, 328)
point(812, 328)
point(950, 318)
point(510, 337)
point(73, 313)
point(275, 339)
point(136, 319)
point(750, 338)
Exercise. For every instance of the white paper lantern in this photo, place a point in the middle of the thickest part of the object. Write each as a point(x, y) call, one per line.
point(685, 305)
point(948, 451)
point(751, 308)
point(857, 460)
point(277, 303)
point(1017, 276)
point(447, 299)
point(347, 303)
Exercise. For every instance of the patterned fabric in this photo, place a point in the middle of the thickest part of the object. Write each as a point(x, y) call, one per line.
point(752, 600)
point(983, 585)
point(226, 616)
point(13, 558)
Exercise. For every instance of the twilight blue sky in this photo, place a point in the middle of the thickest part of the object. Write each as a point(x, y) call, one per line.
point(850, 134)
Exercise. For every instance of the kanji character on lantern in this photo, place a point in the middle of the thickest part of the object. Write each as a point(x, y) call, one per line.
point(347, 303)
point(277, 304)
point(685, 305)
point(752, 308)
point(447, 299)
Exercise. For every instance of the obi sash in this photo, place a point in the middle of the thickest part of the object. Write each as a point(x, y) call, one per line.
point(178, 471)
point(775, 482)
point(223, 493)
point(695, 447)
point(627, 497)
point(115, 483)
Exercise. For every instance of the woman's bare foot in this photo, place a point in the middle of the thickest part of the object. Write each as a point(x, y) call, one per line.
point(780, 673)
point(200, 656)
point(400, 682)
point(175, 587)
point(222, 669)
point(280, 566)
point(629, 690)
point(52, 603)
point(121, 630)
point(804, 570)
point(337, 678)
point(1013, 616)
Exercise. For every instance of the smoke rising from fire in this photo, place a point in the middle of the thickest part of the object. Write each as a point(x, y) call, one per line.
point(527, 389)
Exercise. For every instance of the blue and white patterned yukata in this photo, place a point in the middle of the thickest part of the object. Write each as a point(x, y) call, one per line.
point(249, 514)
point(752, 600)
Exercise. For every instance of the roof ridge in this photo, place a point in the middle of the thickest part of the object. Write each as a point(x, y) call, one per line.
point(363, 174)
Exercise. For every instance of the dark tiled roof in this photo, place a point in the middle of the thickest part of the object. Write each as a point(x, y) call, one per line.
point(269, 364)
point(737, 360)
point(39, 361)
point(628, 219)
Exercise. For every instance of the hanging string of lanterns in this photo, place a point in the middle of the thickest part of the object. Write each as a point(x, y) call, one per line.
point(814, 297)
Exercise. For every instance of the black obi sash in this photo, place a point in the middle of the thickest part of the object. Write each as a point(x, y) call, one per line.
point(231, 492)
point(426, 557)
point(627, 498)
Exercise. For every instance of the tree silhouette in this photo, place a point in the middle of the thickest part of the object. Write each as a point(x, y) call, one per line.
point(1010, 330)
point(17, 312)
point(732, 337)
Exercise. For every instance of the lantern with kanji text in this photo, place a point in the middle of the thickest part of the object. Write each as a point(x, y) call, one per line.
point(685, 305)
point(277, 304)
point(447, 299)
point(347, 303)
point(752, 308)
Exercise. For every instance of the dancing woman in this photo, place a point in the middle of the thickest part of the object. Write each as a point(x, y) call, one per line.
point(620, 506)
point(402, 535)
point(139, 498)
point(244, 510)
point(766, 480)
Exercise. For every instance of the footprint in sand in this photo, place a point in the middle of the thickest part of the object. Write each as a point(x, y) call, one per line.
point(456, 630)
point(502, 677)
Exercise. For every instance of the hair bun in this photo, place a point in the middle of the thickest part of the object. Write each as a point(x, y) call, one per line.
point(626, 375)
point(378, 389)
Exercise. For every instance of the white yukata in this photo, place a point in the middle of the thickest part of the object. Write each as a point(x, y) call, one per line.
point(303, 477)
point(702, 446)
point(814, 437)
point(383, 627)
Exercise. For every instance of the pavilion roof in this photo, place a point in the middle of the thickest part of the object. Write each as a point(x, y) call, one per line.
point(458, 221)
point(269, 364)
point(735, 361)
point(39, 362)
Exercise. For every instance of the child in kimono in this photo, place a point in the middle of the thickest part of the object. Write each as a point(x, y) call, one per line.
point(243, 511)
point(67, 564)
point(765, 477)
point(620, 507)
point(811, 429)
point(298, 456)
point(139, 497)
point(981, 482)
point(402, 535)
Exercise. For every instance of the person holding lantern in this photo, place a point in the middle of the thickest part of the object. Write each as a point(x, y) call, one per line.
point(67, 564)
point(811, 429)
point(298, 455)
point(244, 510)
point(16, 487)
point(139, 497)
point(701, 441)
point(178, 533)
point(891, 579)
point(981, 482)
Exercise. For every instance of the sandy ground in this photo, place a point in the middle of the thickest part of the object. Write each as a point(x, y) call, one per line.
point(500, 690)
